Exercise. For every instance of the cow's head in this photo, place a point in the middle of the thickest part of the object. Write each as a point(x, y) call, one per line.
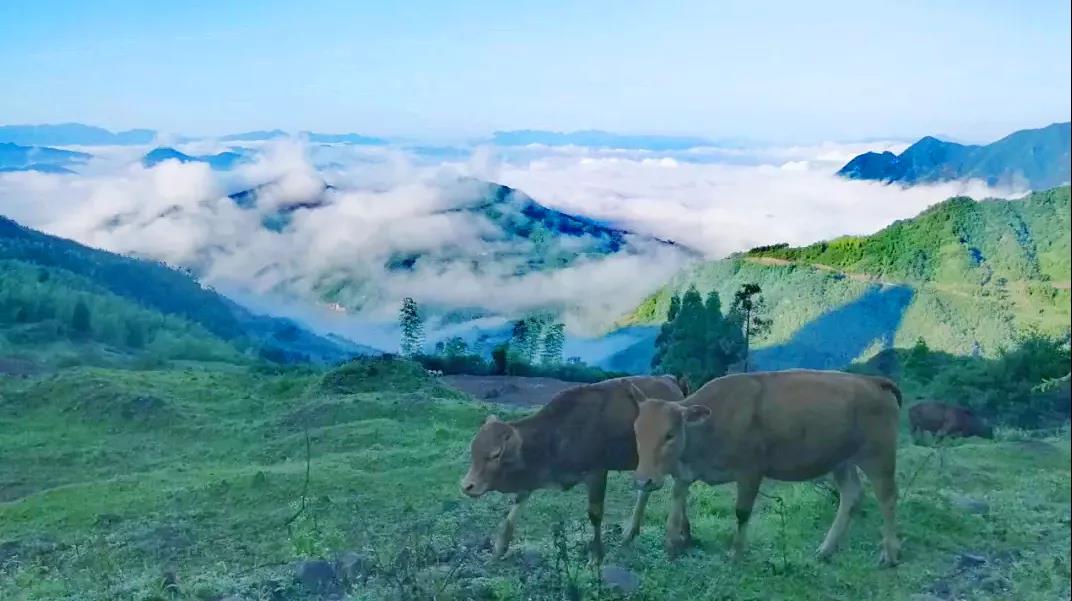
point(495, 449)
point(661, 429)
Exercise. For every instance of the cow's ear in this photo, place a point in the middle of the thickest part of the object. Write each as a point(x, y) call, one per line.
point(695, 414)
point(491, 419)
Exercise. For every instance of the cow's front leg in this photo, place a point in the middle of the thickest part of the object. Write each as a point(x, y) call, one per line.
point(506, 532)
point(633, 528)
point(597, 492)
point(676, 528)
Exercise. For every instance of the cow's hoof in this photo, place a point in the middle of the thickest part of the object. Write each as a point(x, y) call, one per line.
point(595, 554)
point(674, 548)
point(822, 555)
point(629, 535)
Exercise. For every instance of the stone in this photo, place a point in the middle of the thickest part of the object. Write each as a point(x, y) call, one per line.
point(352, 567)
point(970, 560)
point(316, 575)
point(620, 579)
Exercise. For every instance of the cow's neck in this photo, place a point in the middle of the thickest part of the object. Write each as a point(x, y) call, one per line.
point(536, 454)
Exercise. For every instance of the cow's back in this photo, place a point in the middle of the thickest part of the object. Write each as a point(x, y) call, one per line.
point(590, 426)
point(797, 421)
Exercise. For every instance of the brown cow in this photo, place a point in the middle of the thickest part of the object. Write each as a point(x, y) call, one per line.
point(946, 420)
point(580, 435)
point(791, 425)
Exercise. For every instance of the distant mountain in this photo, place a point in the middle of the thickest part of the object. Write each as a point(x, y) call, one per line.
point(254, 136)
point(168, 291)
point(356, 139)
point(596, 138)
point(1036, 158)
point(223, 161)
point(72, 134)
point(315, 137)
point(967, 276)
point(15, 157)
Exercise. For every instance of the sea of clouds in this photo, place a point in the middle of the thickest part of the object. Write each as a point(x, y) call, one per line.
point(386, 201)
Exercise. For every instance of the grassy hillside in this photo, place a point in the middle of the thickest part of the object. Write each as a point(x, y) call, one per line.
point(48, 275)
point(193, 484)
point(967, 276)
point(39, 309)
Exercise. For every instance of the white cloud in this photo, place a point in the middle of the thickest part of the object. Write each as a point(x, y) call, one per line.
point(777, 195)
point(713, 200)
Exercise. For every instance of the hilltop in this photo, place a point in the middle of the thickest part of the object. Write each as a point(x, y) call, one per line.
point(968, 276)
point(223, 160)
point(15, 157)
point(1035, 158)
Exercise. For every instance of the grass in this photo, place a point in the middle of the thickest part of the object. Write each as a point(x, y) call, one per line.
point(203, 494)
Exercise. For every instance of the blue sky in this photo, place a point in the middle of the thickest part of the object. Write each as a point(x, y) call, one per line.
point(774, 71)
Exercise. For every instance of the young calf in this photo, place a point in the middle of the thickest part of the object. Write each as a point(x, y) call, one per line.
point(946, 420)
point(791, 425)
point(580, 435)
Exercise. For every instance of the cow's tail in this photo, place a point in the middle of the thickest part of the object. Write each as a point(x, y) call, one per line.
point(887, 384)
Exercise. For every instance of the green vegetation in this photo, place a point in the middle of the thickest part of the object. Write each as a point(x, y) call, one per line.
point(1025, 386)
point(966, 276)
point(58, 316)
point(193, 483)
point(698, 341)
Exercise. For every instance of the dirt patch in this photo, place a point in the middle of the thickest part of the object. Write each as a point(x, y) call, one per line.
point(510, 390)
point(972, 572)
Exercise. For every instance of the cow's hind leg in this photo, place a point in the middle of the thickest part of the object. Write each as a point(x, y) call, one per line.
point(847, 480)
point(633, 528)
point(506, 533)
point(597, 492)
point(881, 471)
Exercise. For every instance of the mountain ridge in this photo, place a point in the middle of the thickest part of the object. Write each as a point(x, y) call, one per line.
point(1038, 158)
point(968, 276)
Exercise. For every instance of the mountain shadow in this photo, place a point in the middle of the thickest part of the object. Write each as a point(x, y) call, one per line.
point(841, 335)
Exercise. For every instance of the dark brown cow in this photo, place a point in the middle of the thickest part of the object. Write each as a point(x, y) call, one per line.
point(943, 420)
point(579, 436)
point(791, 425)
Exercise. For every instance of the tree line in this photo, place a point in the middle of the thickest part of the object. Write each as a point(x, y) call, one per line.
point(698, 342)
point(535, 348)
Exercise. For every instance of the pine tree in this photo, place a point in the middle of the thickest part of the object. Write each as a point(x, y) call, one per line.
point(918, 362)
point(80, 323)
point(412, 326)
point(134, 338)
point(748, 308)
point(553, 341)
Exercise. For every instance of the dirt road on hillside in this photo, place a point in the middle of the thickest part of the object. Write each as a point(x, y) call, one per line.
point(509, 390)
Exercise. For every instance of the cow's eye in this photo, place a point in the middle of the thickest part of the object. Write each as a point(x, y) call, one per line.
point(494, 456)
point(669, 435)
